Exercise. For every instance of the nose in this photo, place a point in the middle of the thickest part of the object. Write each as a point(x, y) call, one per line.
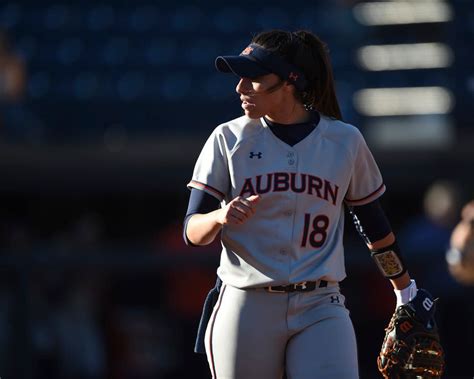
point(243, 86)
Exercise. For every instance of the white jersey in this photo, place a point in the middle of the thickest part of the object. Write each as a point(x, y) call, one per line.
point(296, 234)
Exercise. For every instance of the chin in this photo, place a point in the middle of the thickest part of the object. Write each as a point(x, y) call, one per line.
point(253, 115)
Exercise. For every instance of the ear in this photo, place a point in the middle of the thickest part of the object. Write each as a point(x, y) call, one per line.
point(289, 88)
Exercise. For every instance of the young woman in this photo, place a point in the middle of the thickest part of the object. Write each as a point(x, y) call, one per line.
point(274, 183)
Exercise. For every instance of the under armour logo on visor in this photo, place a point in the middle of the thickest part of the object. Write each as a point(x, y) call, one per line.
point(258, 155)
point(247, 50)
point(293, 76)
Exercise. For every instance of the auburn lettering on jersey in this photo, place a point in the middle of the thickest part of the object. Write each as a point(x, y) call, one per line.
point(290, 181)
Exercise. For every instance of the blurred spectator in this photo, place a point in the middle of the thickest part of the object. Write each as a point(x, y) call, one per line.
point(12, 73)
point(425, 238)
point(17, 122)
point(458, 313)
point(430, 231)
point(460, 256)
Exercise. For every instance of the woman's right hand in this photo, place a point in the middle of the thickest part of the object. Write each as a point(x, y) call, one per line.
point(238, 211)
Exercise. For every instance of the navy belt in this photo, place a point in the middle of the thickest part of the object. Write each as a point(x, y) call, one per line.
point(298, 287)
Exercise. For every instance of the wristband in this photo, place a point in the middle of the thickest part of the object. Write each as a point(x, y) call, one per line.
point(389, 261)
point(407, 294)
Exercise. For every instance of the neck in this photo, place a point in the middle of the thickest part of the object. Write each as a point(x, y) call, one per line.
point(294, 115)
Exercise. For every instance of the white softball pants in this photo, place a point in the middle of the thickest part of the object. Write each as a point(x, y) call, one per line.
point(254, 334)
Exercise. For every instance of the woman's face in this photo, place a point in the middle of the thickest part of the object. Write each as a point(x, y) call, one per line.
point(263, 95)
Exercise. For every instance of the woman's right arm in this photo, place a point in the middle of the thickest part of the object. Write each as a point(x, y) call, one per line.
point(201, 228)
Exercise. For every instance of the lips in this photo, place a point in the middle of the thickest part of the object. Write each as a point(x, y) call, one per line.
point(246, 104)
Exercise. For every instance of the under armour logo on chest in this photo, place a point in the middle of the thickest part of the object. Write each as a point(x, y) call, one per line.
point(258, 155)
point(335, 299)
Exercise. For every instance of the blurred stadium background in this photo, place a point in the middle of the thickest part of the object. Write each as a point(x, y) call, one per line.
point(104, 107)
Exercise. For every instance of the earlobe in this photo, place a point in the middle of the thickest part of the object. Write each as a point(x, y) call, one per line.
point(289, 88)
point(292, 89)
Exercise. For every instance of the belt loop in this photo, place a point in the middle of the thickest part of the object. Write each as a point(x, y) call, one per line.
point(271, 289)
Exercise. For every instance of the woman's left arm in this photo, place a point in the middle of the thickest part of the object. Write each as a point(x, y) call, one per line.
point(402, 281)
point(372, 224)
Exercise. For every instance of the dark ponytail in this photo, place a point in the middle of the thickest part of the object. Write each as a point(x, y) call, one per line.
point(311, 55)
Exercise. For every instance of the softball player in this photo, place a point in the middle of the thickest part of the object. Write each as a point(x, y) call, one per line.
point(274, 183)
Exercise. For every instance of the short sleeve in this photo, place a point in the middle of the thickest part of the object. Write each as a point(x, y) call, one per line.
point(211, 172)
point(366, 183)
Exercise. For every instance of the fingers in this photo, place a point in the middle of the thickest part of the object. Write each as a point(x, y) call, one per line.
point(241, 209)
point(243, 206)
point(254, 199)
point(250, 202)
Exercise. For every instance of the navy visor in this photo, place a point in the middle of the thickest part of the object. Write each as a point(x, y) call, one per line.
point(256, 61)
